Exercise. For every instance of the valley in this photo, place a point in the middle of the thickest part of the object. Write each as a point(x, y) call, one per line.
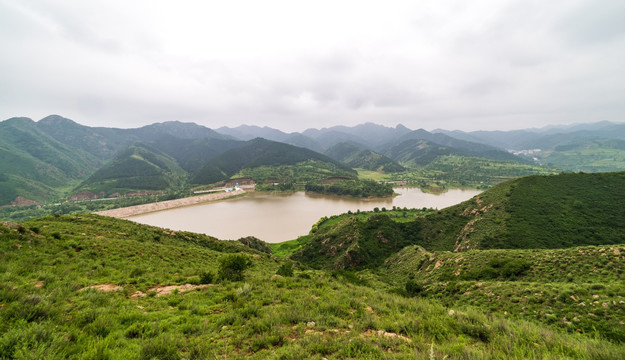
point(477, 253)
point(400, 283)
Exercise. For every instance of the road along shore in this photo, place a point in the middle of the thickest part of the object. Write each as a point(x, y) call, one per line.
point(168, 204)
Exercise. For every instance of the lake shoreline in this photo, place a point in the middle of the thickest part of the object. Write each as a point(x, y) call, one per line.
point(126, 212)
point(275, 218)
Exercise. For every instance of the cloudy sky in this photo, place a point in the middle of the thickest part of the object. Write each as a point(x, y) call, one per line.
point(480, 64)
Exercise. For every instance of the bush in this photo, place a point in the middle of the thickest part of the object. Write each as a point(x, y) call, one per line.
point(232, 267)
point(414, 288)
point(515, 268)
point(285, 269)
point(206, 277)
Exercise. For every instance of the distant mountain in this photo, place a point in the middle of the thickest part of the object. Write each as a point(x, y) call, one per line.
point(300, 140)
point(177, 129)
point(192, 154)
point(249, 132)
point(259, 152)
point(467, 147)
point(40, 160)
point(420, 148)
point(102, 143)
point(357, 157)
point(328, 139)
point(415, 152)
point(545, 138)
point(500, 139)
point(368, 135)
point(141, 167)
point(582, 147)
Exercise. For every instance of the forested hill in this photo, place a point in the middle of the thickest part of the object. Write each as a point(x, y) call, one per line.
point(357, 157)
point(534, 212)
point(139, 167)
point(45, 160)
point(260, 152)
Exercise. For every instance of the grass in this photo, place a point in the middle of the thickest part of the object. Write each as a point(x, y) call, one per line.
point(579, 290)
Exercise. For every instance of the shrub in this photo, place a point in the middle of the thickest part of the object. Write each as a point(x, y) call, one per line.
point(414, 288)
point(206, 277)
point(285, 269)
point(515, 268)
point(232, 267)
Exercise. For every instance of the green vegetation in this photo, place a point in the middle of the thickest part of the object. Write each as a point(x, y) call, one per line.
point(232, 267)
point(577, 209)
point(354, 188)
point(22, 213)
point(358, 240)
point(286, 248)
point(578, 290)
point(140, 167)
point(263, 153)
point(596, 155)
point(292, 177)
point(36, 166)
point(92, 287)
point(357, 157)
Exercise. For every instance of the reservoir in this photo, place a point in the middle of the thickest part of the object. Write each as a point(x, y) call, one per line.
point(281, 217)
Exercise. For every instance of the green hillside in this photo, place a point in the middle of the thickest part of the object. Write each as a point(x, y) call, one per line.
point(416, 152)
point(357, 157)
point(102, 143)
point(362, 240)
point(553, 211)
point(448, 144)
point(577, 290)
point(138, 168)
point(261, 153)
point(192, 154)
point(92, 287)
point(35, 165)
point(534, 212)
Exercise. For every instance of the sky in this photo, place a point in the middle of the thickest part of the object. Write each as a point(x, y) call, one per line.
point(293, 65)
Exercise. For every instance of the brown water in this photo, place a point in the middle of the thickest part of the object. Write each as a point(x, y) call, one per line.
point(281, 217)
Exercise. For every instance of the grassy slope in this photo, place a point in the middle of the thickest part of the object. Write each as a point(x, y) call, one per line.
point(577, 290)
point(45, 314)
point(359, 240)
point(534, 212)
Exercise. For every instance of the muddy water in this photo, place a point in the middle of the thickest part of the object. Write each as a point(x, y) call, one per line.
point(279, 217)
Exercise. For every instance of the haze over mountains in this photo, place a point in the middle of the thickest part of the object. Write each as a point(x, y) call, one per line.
point(54, 157)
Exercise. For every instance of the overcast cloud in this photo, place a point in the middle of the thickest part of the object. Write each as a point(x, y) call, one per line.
point(292, 65)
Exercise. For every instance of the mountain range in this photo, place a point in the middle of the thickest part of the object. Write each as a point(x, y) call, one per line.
point(56, 157)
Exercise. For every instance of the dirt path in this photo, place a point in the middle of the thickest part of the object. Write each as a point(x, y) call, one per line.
point(169, 204)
